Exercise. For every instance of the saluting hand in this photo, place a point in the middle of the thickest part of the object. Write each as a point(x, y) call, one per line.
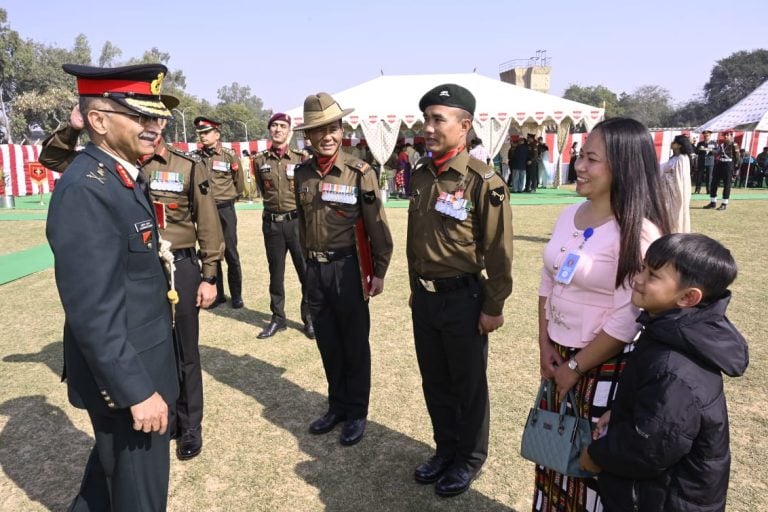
point(76, 119)
point(151, 415)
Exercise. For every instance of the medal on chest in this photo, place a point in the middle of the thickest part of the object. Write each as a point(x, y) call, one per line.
point(289, 170)
point(337, 193)
point(453, 205)
point(167, 181)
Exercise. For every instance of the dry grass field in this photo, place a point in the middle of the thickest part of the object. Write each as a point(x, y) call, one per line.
point(261, 395)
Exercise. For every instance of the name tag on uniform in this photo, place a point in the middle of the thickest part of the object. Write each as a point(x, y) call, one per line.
point(565, 274)
point(289, 170)
point(143, 225)
point(265, 168)
point(220, 166)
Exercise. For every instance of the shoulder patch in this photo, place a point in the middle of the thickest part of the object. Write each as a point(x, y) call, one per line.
point(369, 197)
point(497, 195)
point(204, 187)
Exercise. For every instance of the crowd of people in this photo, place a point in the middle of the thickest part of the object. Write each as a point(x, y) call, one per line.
point(139, 230)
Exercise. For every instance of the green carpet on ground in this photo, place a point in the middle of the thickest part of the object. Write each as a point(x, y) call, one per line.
point(22, 263)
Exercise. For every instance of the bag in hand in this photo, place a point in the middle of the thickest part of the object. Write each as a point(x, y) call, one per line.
point(555, 439)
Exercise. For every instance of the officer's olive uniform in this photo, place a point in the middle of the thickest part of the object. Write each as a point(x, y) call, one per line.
point(329, 206)
point(276, 179)
point(727, 154)
point(228, 183)
point(445, 258)
point(179, 184)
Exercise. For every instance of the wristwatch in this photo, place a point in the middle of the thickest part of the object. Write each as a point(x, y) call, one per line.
point(573, 364)
point(210, 280)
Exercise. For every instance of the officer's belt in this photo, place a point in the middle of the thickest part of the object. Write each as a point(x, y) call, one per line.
point(446, 284)
point(182, 254)
point(329, 256)
point(280, 217)
point(225, 204)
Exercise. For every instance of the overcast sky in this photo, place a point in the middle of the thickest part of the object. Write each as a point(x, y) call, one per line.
point(285, 50)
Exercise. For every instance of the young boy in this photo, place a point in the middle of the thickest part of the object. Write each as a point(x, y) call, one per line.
point(666, 444)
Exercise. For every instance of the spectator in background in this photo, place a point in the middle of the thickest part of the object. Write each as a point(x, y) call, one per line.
point(543, 162)
point(477, 150)
point(572, 162)
point(677, 175)
point(532, 165)
point(705, 161)
point(762, 166)
point(727, 154)
point(518, 160)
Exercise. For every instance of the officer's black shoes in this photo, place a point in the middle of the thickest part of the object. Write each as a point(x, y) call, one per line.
point(430, 471)
point(709, 206)
point(325, 423)
point(722, 207)
point(309, 330)
point(270, 330)
point(190, 444)
point(352, 431)
point(237, 302)
point(455, 481)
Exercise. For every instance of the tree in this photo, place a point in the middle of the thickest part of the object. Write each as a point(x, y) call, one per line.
point(81, 53)
point(174, 81)
point(734, 77)
point(109, 53)
point(691, 113)
point(237, 105)
point(598, 96)
point(649, 104)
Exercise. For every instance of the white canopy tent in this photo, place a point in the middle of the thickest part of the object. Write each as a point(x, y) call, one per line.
point(382, 104)
point(750, 114)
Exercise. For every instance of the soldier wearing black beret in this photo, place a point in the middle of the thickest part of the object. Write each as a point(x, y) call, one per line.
point(119, 356)
point(228, 184)
point(459, 226)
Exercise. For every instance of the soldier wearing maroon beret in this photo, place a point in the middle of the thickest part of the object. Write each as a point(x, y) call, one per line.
point(275, 171)
point(228, 184)
point(459, 252)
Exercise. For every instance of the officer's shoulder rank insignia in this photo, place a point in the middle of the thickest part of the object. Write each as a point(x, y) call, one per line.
point(489, 174)
point(97, 174)
point(496, 196)
point(227, 150)
point(369, 197)
point(204, 187)
point(362, 167)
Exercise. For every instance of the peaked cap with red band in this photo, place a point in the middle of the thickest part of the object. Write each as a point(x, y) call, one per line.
point(204, 124)
point(136, 87)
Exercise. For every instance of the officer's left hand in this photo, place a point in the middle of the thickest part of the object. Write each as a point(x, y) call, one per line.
point(206, 294)
point(488, 323)
point(377, 286)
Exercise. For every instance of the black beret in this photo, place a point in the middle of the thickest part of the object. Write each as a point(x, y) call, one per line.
point(449, 95)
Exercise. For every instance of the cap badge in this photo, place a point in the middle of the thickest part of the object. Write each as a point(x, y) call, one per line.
point(445, 93)
point(157, 84)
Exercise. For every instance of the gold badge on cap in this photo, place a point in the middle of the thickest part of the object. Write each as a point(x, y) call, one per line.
point(157, 84)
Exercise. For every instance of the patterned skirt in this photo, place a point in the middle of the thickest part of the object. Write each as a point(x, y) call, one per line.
point(593, 394)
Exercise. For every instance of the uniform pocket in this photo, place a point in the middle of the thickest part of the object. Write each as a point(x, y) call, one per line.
point(142, 260)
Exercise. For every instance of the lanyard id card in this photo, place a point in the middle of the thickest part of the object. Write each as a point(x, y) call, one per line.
point(565, 274)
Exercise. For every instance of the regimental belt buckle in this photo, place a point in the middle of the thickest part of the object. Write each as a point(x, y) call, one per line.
point(428, 285)
point(321, 257)
point(280, 217)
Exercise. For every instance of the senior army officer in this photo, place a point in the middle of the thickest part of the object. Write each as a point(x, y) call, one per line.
point(459, 223)
point(275, 170)
point(118, 347)
point(179, 187)
point(333, 191)
point(227, 184)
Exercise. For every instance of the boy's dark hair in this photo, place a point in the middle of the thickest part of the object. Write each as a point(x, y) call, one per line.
point(701, 262)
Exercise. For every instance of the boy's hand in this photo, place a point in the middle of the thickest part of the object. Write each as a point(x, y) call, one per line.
point(602, 425)
point(587, 464)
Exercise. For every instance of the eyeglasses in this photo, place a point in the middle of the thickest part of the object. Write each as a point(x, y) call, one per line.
point(139, 118)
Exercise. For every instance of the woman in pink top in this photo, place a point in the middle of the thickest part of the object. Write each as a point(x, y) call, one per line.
point(586, 318)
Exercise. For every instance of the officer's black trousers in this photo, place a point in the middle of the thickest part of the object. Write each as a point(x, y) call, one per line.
point(703, 176)
point(228, 219)
point(279, 238)
point(532, 177)
point(189, 406)
point(452, 358)
point(342, 324)
point(724, 172)
point(127, 470)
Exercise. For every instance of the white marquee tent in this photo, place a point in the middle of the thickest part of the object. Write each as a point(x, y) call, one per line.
point(384, 103)
point(750, 114)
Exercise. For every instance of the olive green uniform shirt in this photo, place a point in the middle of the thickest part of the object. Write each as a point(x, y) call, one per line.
point(328, 224)
point(177, 181)
point(440, 245)
point(276, 178)
point(223, 166)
